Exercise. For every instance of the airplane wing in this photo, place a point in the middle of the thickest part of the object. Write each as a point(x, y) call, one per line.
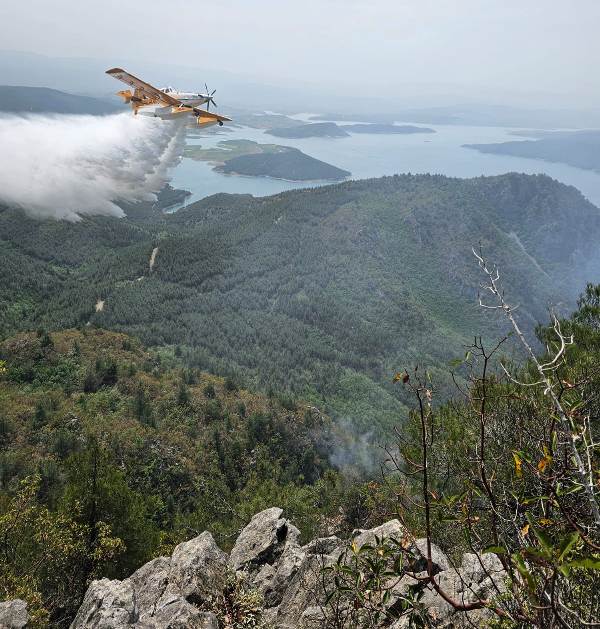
point(147, 89)
point(203, 114)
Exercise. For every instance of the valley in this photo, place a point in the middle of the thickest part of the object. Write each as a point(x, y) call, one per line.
point(322, 292)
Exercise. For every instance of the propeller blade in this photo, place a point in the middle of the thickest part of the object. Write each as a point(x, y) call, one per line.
point(212, 93)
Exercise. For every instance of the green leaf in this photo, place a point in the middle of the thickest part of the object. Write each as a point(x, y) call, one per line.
point(524, 572)
point(566, 545)
point(589, 563)
point(564, 570)
point(544, 540)
point(497, 550)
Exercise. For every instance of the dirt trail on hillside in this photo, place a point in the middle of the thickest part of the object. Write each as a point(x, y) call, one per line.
point(153, 258)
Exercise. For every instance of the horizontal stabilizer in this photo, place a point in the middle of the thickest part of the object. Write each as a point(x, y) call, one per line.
point(126, 95)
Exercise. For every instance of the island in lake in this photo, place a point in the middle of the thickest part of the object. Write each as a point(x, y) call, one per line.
point(166, 199)
point(403, 129)
point(580, 149)
point(245, 157)
point(313, 130)
point(333, 130)
point(260, 119)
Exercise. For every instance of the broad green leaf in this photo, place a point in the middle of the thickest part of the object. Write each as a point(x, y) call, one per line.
point(566, 545)
point(589, 563)
point(523, 571)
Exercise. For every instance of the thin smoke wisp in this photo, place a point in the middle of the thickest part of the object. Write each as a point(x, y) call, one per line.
point(67, 166)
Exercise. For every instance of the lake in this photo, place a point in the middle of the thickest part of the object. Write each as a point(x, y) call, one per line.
point(366, 155)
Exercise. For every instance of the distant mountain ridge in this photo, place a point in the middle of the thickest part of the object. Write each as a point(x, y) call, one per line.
point(312, 130)
point(400, 129)
point(580, 149)
point(333, 130)
point(21, 99)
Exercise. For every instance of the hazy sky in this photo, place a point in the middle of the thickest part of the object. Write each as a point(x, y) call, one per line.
point(528, 48)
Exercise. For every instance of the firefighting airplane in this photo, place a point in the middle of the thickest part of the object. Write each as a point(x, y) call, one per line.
point(169, 103)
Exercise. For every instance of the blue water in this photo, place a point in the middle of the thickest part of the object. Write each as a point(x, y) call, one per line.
point(376, 155)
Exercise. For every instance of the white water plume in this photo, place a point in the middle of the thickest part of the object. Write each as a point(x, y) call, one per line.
point(65, 166)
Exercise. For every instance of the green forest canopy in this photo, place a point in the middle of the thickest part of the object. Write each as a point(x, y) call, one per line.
point(321, 293)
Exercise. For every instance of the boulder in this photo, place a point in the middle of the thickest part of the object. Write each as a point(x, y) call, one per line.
point(177, 613)
point(272, 580)
point(149, 584)
point(323, 546)
point(107, 605)
point(198, 569)
point(312, 618)
point(262, 541)
point(438, 558)
point(481, 576)
point(162, 594)
point(417, 547)
point(13, 614)
point(393, 528)
point(477, 578)
point(268, 550)
point(302, 592)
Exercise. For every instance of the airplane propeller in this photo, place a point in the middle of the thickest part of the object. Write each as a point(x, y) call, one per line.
point(210, 99)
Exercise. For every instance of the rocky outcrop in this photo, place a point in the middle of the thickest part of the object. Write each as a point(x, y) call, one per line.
point(166, 593)
point(263, 540)
point(190, 588)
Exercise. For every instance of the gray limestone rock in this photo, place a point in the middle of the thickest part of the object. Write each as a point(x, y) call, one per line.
point(262, 541)
point(107, 605)
point(176, 592)
point(393, 528)
point(13, 614)
point(197, 569)
point(162, 594)
point(149, 583)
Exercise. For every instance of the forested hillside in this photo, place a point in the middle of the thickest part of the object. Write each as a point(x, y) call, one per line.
point(110, 455)
point(290, 164)
point(119, 443)
point(20, 99)
point(322, 292)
